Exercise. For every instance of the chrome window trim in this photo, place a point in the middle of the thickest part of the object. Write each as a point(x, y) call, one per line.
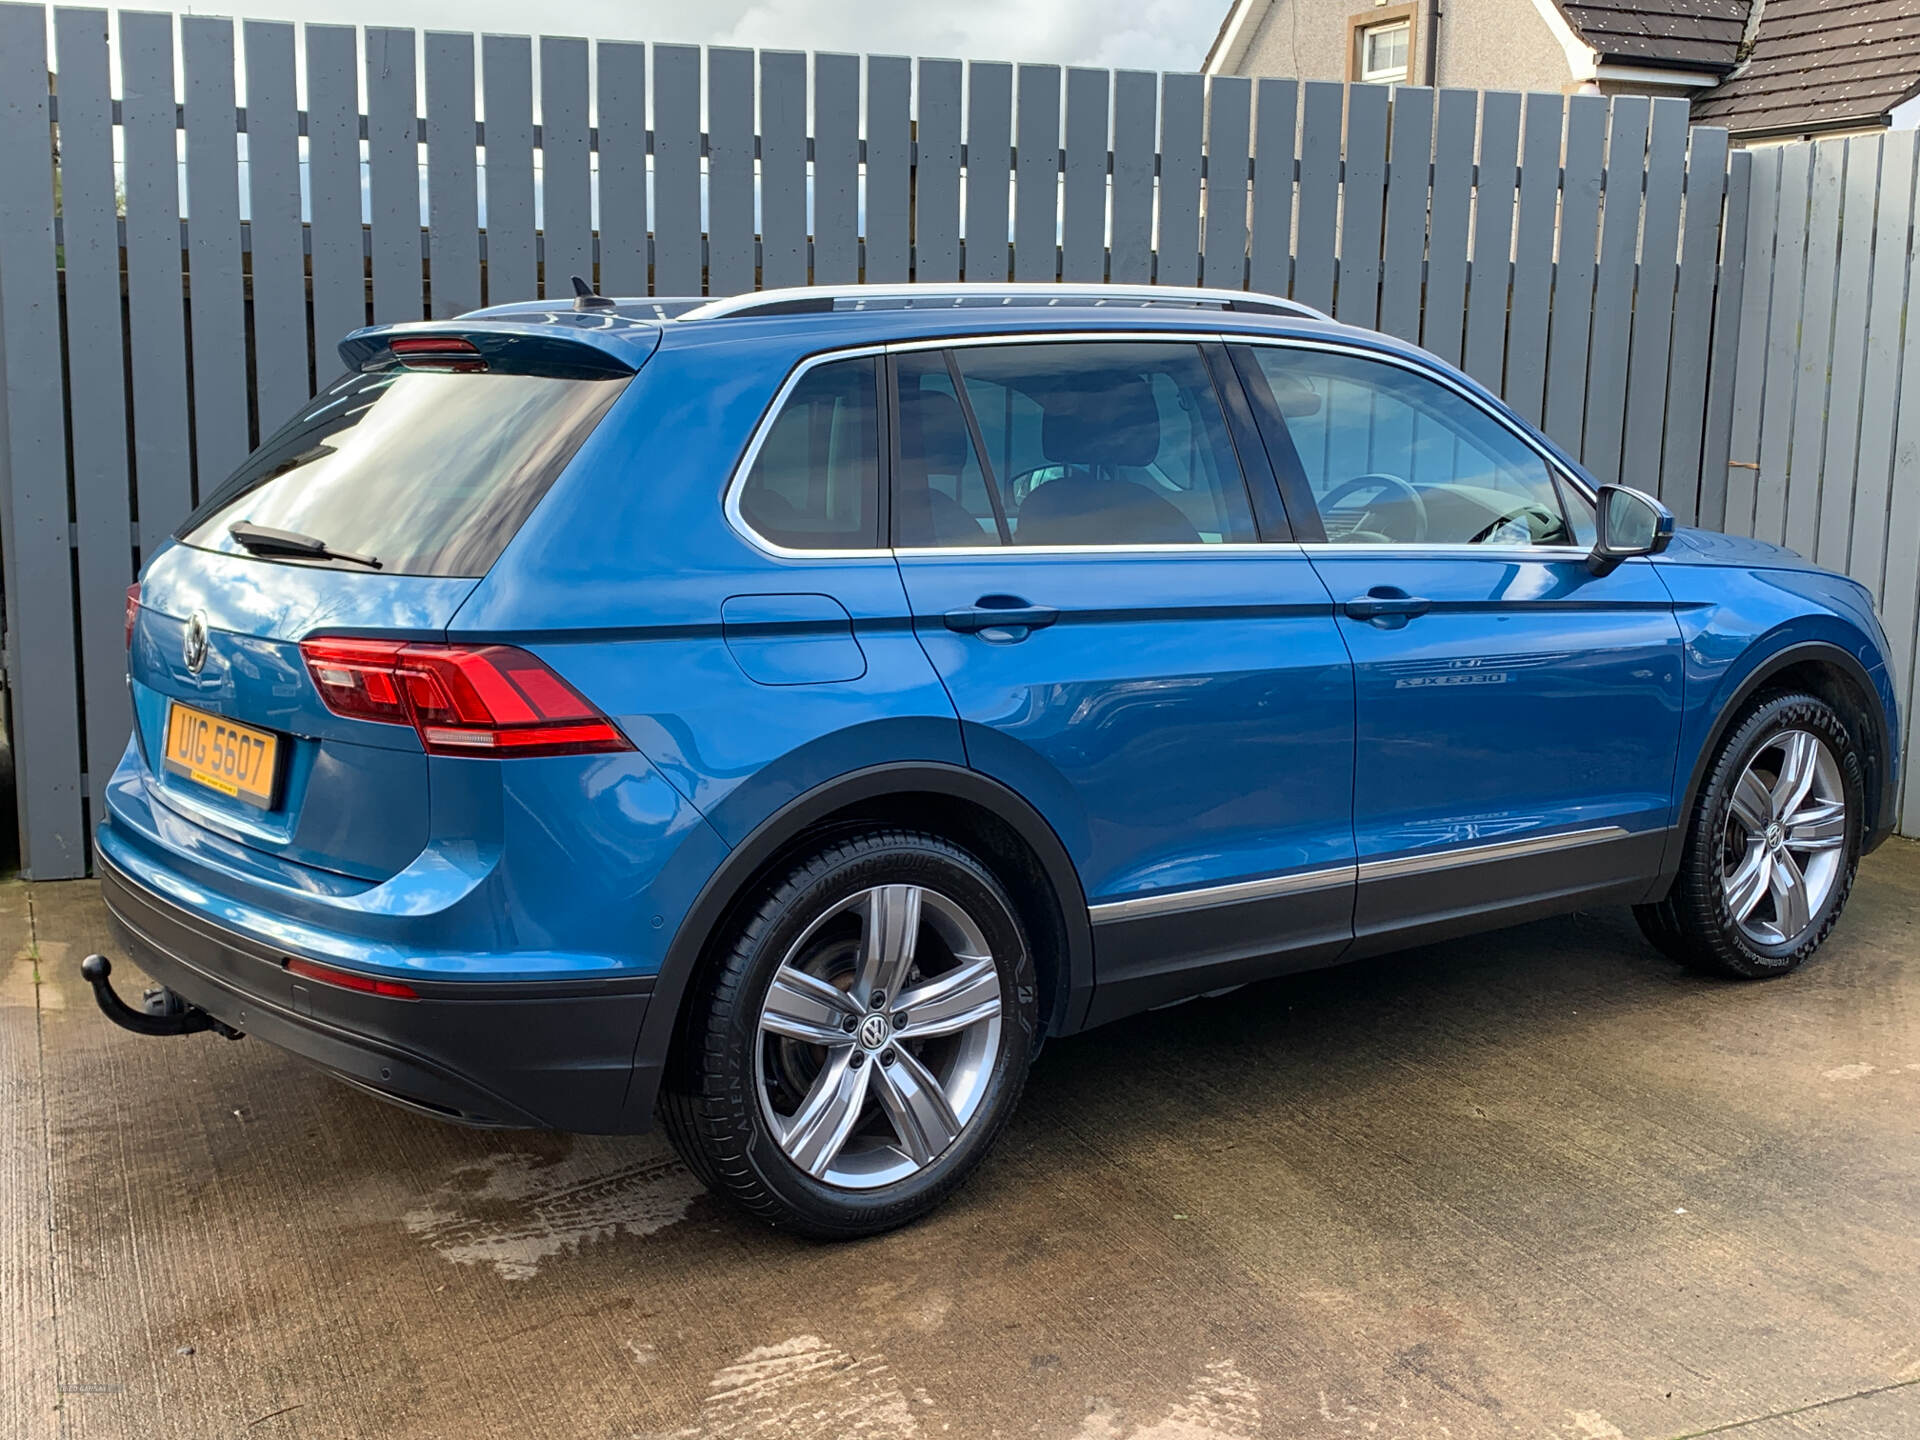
point(737, 480)
point(1553, 464)
point(1300, 882)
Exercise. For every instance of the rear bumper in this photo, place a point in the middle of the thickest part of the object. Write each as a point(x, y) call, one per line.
point(549, 1055)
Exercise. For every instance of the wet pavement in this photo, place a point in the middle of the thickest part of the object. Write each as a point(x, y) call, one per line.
point(1538, 1183)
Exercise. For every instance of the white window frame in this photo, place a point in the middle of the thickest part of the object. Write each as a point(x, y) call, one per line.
point(1397, 75)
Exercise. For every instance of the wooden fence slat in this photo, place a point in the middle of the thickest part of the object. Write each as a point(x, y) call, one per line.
point(1839, 480)
point(1752, 345)
point(1653, 302)
point(1403, 266)
point(1487, 293)
point(1083, 225)
point(1135, 102)
point(273, 223)
point(33, 468)
point(1229, 133)
point(730, 180)
point(1270, 265)
point(936, 185)
point(96, 387)
point(1728, 300)
point(1454, 132)
point(1319, 215)
point(678, 265)
point(217, 306)
point(1177, 250)
point(506, 72)
point(453, 187)
point(1572, 321)
point(889, 167)
point(783, 168)
point(622, 68)
point(566, 165)
point(1036, 183)
point(1688, 361)
point(156, 324)
point(393, 175)
point(1900, 590)
point(336, 259)
point(1613, 287)
point(1363, 206)
point(1880, 394)
point(1806, 448)
point(836, 169)
point(1783, 344)
point(1526, 386)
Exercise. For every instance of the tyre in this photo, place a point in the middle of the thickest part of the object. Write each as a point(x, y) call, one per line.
point(1772, 847)
point(860, 1040)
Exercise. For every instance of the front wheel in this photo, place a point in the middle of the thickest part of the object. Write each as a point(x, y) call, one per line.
point(1773, 844)
point(857, 1047)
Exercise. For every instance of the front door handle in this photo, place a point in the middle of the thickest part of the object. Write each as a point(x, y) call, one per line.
point(1001, 612)
point(1387, 602)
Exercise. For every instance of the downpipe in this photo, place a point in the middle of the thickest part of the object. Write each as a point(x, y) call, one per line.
point(161, 1011)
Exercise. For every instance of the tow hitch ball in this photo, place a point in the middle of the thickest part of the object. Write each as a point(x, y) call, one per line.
point(161, 1011)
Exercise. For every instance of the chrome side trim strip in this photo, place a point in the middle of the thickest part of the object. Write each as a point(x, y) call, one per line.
point(1300, 882)
point(1173, 902)
point(1453, 859)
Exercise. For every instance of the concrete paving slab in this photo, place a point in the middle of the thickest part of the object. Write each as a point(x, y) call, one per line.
point(1538, 1183)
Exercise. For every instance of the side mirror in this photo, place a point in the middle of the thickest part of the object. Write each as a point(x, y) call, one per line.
point(1629, 522)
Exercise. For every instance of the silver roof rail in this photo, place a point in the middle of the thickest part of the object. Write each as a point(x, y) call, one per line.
point(822, 299)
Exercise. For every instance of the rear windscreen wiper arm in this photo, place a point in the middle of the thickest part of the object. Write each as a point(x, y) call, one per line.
point(264, 540)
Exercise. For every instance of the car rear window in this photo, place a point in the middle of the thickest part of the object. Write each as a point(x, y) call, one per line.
point(430, 473)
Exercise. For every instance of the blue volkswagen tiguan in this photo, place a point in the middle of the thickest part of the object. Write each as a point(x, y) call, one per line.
point(780, 714)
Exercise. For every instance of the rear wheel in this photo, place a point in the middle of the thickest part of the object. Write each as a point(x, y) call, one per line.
point(1773, 845)
point(861, 1041)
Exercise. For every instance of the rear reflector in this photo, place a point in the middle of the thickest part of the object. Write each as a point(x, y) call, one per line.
point(438, 352)
point(349, 980)
point(133, 610)
point(462, 700)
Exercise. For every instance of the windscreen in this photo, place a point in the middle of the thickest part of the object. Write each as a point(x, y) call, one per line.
point(429, 473)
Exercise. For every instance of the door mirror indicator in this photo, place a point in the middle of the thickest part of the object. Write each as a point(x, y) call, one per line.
point(1629, 522)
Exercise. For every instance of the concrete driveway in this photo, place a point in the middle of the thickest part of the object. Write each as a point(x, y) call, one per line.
point(1538, 1183)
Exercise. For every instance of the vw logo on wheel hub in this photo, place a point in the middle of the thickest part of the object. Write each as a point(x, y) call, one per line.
point(874, 1031)
point(1774, 835)
point(196, 643)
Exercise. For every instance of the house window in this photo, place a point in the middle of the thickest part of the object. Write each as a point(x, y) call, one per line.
point(1383, 53)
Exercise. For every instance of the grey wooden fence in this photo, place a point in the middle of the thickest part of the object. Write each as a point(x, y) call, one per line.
point(1825, 442)
point(1569, 252)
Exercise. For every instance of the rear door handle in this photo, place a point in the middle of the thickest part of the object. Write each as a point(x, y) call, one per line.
point(1000, 612)
point(1384, 601)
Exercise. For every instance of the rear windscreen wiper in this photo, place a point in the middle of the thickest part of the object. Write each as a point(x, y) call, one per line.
point(264, 540)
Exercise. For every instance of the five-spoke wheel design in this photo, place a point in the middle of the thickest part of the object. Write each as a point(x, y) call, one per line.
point(1785, 839)
point(877, 1036)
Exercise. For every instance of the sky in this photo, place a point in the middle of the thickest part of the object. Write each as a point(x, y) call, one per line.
point(1135, 34)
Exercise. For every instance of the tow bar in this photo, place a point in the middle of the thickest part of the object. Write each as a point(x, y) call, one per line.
point(161, 1011)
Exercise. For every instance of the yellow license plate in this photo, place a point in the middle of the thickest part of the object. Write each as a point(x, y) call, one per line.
point(236, 760)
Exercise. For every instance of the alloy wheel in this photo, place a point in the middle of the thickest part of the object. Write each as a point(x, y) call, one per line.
point(877, 1036)
point(1786, 836)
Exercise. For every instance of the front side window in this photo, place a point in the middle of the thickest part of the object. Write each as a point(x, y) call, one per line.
point(1082, 443)
point(1392, 457)
point(815, 485)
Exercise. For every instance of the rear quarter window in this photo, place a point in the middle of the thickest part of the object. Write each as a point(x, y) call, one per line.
point(430, 473)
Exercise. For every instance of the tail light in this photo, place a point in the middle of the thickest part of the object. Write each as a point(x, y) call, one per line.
point(463, 700)
point(133, 610)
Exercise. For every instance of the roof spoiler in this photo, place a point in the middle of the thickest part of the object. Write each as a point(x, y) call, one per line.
point(501, 348)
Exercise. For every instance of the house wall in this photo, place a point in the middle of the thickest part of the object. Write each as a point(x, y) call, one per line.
point(1484, 44)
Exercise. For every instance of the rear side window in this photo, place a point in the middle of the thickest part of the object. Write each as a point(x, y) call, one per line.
point(1120, 443)
point(815, 483)
point(432, 474)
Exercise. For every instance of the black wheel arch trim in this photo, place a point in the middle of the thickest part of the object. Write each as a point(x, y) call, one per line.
point(779, 830)
point(1785, 658)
